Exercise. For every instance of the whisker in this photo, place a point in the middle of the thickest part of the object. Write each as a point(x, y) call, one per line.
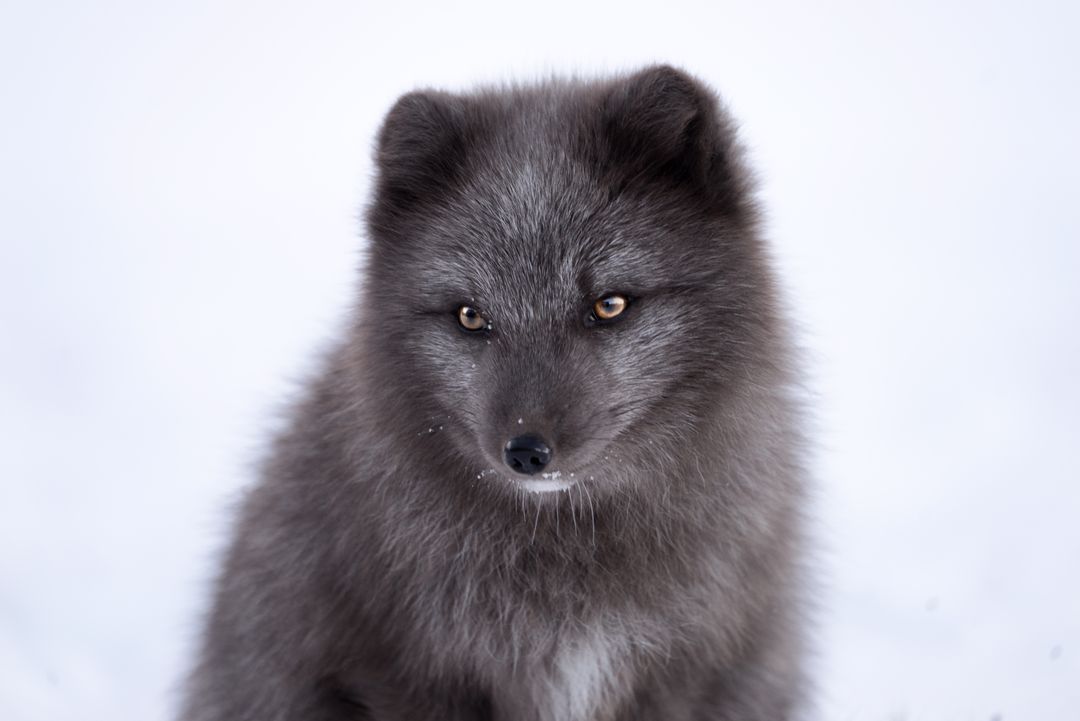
point(592, 514)
point(573, 511)
point(535, 524)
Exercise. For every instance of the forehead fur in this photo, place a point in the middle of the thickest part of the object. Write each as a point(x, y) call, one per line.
point(589, 186)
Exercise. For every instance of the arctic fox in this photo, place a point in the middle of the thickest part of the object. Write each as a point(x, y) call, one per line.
point(554, 470)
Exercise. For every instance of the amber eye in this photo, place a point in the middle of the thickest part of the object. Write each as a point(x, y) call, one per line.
point(470, 318)
point(610, 307)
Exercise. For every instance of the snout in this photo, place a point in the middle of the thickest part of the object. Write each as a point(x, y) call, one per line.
point(528, 454)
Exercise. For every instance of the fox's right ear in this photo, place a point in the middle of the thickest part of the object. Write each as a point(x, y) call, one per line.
point(421, 149)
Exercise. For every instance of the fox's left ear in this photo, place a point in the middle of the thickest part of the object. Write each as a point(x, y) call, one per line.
point(661, 124)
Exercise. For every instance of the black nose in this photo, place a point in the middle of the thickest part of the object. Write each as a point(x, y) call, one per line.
point(527, 454)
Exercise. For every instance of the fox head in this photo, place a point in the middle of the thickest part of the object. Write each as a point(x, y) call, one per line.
point(564, 281)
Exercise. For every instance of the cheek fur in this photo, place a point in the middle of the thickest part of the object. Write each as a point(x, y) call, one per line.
point(445, 366)
point(652, 355)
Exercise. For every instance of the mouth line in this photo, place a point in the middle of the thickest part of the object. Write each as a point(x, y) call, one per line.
point(550, 482)
point(546, 483)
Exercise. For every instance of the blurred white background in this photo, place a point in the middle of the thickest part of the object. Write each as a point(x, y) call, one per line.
point(180, 186)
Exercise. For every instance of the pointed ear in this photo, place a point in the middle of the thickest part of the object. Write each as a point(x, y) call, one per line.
point(421, 150)
point(662, 125)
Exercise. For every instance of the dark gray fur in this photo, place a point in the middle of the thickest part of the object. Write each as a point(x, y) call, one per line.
point(387, 566)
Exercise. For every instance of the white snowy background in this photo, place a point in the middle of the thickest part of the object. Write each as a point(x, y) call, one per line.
point(180, 186)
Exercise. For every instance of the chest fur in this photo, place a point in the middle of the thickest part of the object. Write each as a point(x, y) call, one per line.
point(583, 678)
